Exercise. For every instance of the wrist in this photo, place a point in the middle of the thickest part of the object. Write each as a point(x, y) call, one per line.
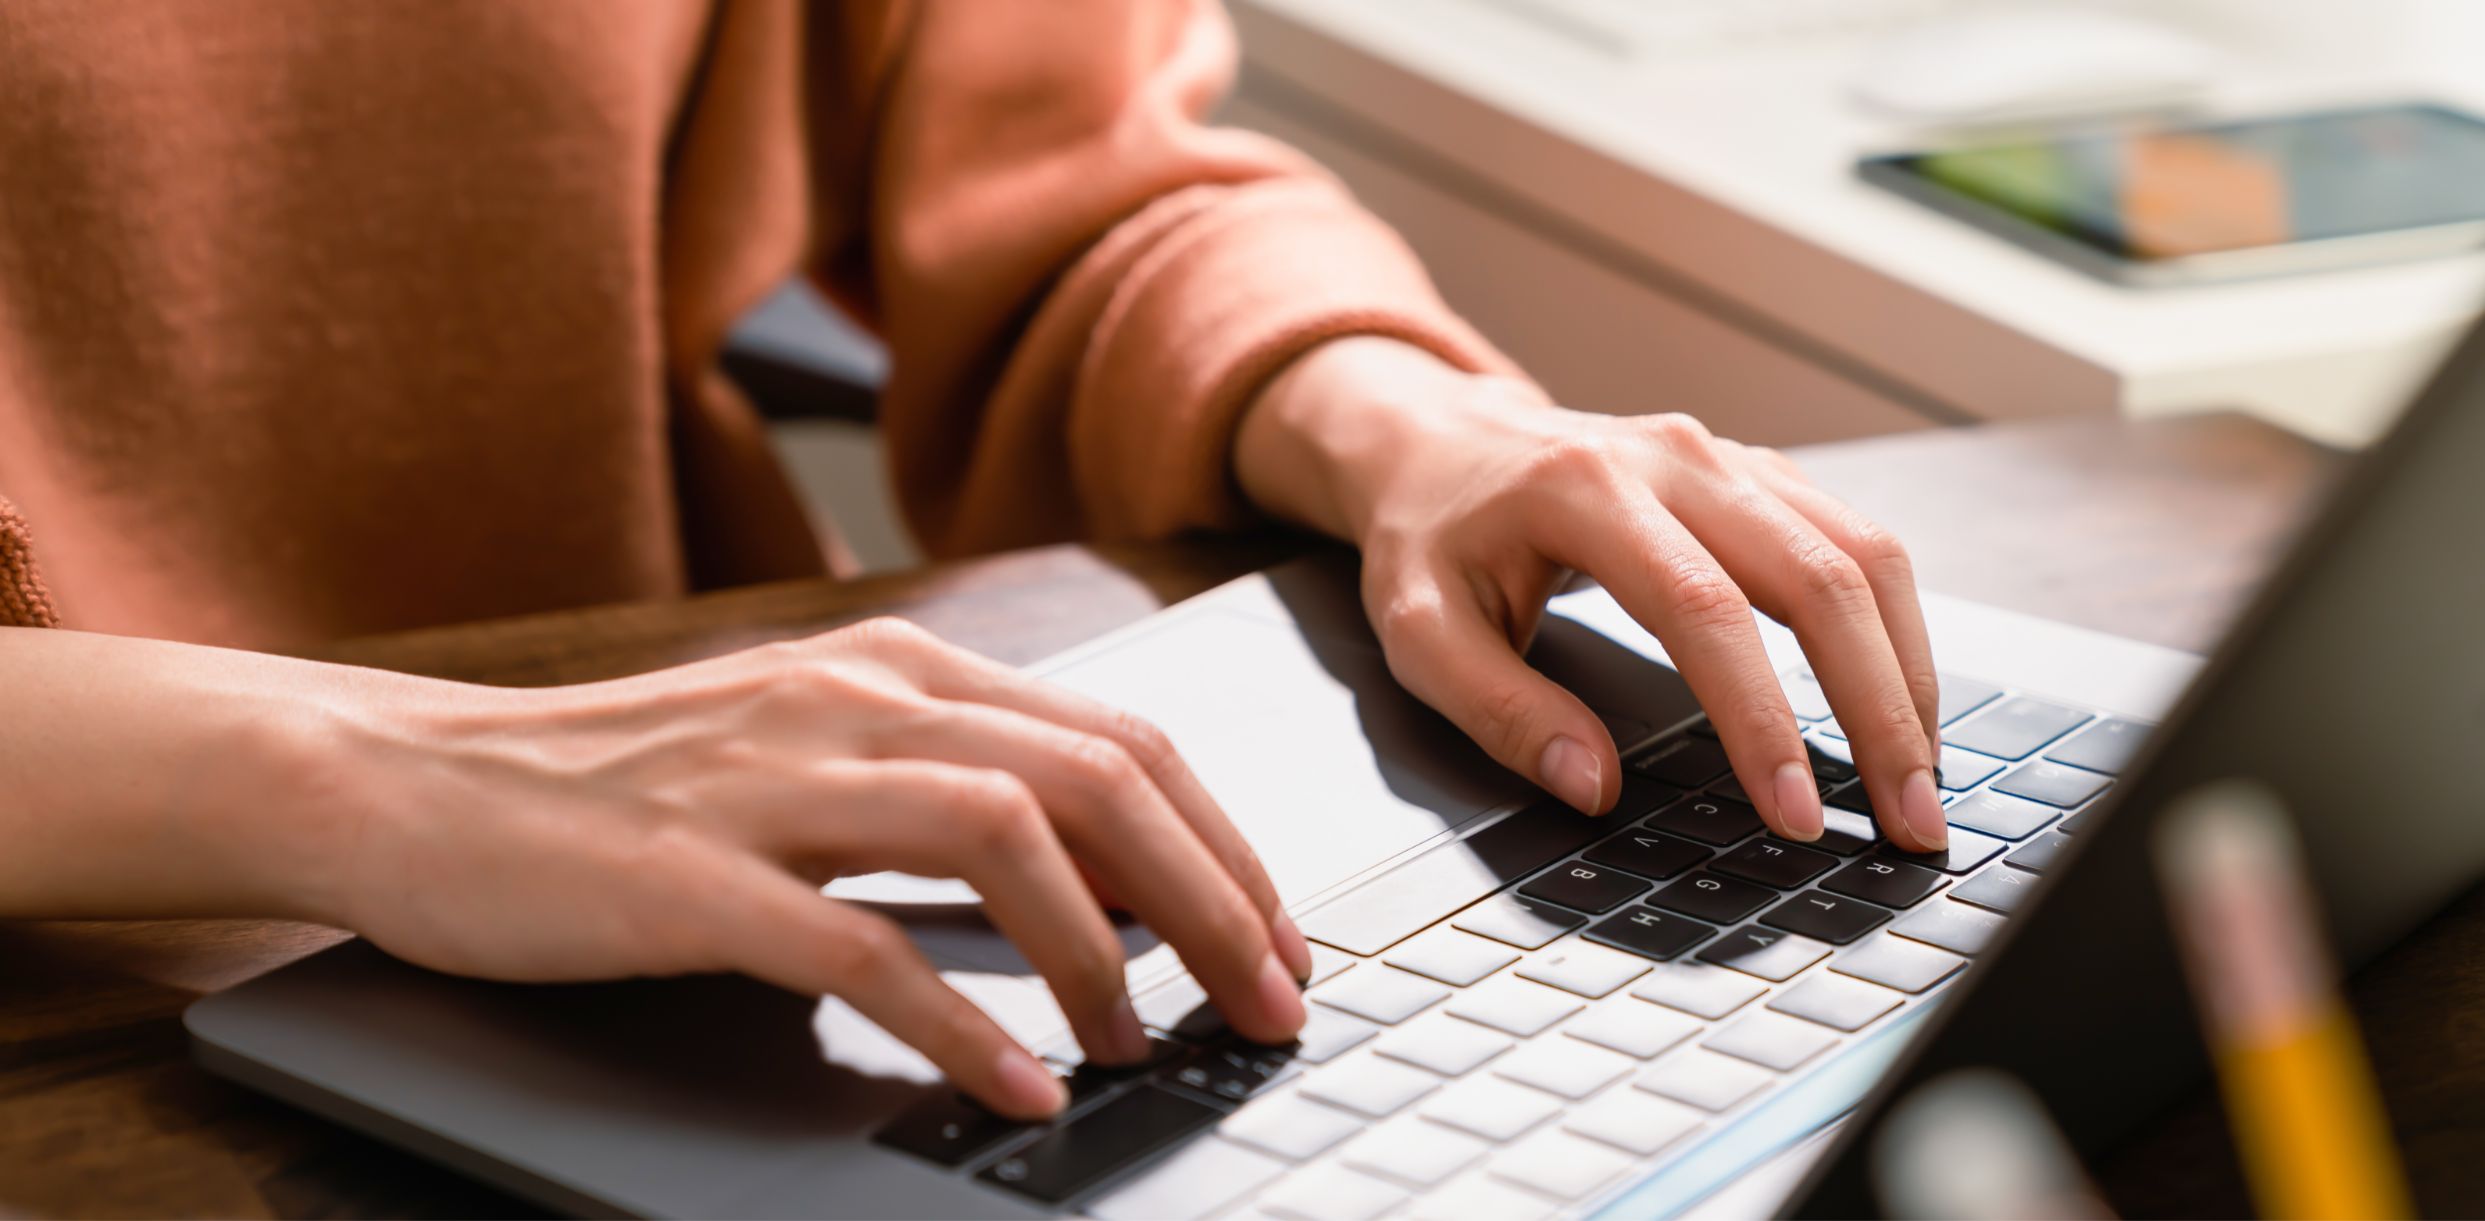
point(1322, 443)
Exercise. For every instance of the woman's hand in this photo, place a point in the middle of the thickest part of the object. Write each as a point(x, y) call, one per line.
point(683, 821)
point(1472, 499)
point(675, 822)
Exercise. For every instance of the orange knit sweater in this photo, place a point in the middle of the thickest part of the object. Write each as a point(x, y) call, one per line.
point(325, 318)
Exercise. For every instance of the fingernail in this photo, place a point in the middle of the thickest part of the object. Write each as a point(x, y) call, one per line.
point(1798, 802)
point(1281, 998)
point(1920, 804)
point(1130, 1039)
point(1293, 948)
point(1571, 771)
point(1027, 1086)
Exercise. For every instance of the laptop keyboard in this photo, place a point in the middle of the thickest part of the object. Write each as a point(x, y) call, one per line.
point(1512, 1025)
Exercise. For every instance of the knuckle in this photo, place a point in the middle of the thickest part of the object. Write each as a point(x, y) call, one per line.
point(866, 953)
point(1504, 714)
point(1683, 436)
point(1829, 575)
point(1145, 743)
point(1705, 599)
point(1593, 461)
point(1414, 612)
point(1104, 769)
point(887, 635)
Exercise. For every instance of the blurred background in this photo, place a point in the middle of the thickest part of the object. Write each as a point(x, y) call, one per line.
point(1653, 205)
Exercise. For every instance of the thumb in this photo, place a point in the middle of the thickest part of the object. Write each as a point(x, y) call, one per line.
point(1445, 651)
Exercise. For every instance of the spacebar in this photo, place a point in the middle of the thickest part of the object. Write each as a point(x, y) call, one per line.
point(1398, 904)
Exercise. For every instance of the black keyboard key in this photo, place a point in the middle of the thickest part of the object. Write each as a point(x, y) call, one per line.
point(1648, 854)
point(1999, 890)
point(2039, 853)
point(1960, 696)
point(1823, 917)
point(1705, 896)
point(1890, 883)
point(1232, 1072)
point(1966, 851)
point(1846, 832)
point(1581, 886)
point(1831, 770)
point(1090, 1079)
point(1999, 814)
point(2106, 746)
point(1852, 799)
point(948, 1129)
point(1649, 933)
point(1398, 904)
point(1642, 797)
point(1701, 729)
point(1773, 862)
point(2015, 728)
point(1085, 1151)
point(1710, 820)
point(1684, 762)
point(1962, 770)
point(2055, 784)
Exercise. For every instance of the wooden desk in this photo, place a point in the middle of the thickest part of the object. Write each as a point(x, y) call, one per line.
point(2150, 530)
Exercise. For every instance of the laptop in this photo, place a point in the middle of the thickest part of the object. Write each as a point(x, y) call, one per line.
point(1519, 1011)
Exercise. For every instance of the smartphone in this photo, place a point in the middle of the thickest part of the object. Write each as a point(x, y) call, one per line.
point(2156, 203)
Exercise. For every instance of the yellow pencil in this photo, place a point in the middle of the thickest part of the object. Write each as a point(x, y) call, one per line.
point(2299, 1092)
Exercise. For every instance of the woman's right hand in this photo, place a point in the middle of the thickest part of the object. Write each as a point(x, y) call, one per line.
point(683, 821)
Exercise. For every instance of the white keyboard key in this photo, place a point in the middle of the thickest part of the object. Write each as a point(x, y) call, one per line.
point(1634, 1122)
point(1330, 1192)
point(1837, 1002)
point(1633, 1027)
point(1327, 1034)
point(1369, 1085)
point(1559, 1066)
point(1477, 1197)
point(1290, 1127)
point(1514, 1006)
point(1381, 994)
point(1558, 1164)
point(1455, 958)
point(1491, 1108)
point(1698, 989)
point(1201, 1178)
point(1415, 1152)
point(1181, 1006)
point(1952, 925)
point(1443, 1044)
point(1893, 962)
point(1529, 926)
point(1703, 1079)
point(1589, 970)
point(1328, 964)
point(1771, 1041)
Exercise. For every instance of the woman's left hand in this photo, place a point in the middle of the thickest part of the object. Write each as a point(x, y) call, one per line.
point(1472, 499)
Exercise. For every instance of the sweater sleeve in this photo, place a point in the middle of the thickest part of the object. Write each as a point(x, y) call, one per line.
point(1082, 285)
point(24, 602)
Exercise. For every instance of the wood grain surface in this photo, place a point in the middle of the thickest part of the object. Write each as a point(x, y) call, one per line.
point(2155, 530)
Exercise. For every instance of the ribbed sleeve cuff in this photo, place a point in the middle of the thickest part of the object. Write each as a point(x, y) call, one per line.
point(24, 602)
point(1240, 285)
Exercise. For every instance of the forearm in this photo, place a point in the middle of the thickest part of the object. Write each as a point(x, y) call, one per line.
point(143, 778)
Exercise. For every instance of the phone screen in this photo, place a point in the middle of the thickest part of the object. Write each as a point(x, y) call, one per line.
point(2165, 192)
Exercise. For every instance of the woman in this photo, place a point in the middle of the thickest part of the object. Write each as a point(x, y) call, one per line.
point(323, 319)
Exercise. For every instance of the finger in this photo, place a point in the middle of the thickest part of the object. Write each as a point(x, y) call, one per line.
point(1444, 648)
point(987, 828)
point(1661, 574)
point(1799, 577)
point(949, 672)
point(1111, 815)
point(784, 932)
point(1891, 574)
